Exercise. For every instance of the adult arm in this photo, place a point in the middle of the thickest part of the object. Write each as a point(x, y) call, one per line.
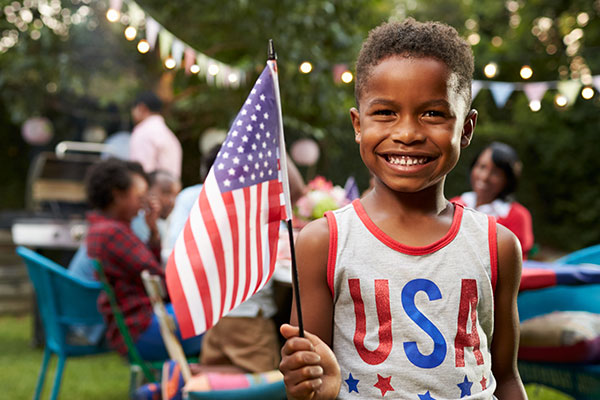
point(143, 150)
point(309, 366)
point(505, 343)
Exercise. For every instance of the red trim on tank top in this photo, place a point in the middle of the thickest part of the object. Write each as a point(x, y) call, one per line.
point(493, 242)
point(332, 254)
point(410, 250)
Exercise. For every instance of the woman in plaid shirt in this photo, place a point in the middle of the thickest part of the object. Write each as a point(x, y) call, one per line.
point(118, 190)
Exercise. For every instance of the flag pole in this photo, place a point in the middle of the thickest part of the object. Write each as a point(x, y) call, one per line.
point(272, 56)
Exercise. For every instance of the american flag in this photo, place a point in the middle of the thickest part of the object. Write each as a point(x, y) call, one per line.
point(227, 249)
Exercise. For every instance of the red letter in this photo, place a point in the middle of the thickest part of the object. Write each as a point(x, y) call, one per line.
point(468, 300)
point(382, 302)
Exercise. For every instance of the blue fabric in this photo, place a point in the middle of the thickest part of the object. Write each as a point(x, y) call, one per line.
point(81, 265)
point(183, 205)
point(150, 344)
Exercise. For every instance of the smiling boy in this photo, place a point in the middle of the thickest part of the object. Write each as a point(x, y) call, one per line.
point(407, 295)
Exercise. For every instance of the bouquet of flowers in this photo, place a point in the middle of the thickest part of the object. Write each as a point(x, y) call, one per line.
point(321, 196)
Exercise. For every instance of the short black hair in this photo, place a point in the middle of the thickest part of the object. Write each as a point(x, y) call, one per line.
point(150, 100)
point(411, 38)
point(105, 176)
point(505, 157)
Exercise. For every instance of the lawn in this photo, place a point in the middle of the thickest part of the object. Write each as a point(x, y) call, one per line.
point(104, 376)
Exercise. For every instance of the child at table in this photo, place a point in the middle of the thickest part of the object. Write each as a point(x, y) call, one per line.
point(402, 290)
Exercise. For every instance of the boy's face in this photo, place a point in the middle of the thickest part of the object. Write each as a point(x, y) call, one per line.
point(412, 123)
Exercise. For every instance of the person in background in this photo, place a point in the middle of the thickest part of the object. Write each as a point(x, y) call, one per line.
point(117, 190)
point(494, 177)
point(152, 143)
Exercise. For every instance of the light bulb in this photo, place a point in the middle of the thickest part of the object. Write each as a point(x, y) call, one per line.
point(195, 68)
point(130, 33)
point(306, 67)
point(170, 63)
point(113, 15)
point(347, 77)
point(526, 72)
point(143, 46)
point(490, 70)
point(587, 92)
point(535, 105)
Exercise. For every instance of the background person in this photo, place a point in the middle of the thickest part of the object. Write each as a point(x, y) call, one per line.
point(494, 177)
point(117, 190)
point(152, 143)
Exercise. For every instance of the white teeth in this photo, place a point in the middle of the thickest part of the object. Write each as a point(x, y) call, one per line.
point(406, 160)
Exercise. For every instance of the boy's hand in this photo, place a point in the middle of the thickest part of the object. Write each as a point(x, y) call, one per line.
point(309, 366)
point(152, 210)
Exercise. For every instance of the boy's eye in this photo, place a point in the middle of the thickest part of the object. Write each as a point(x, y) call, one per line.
point(383, 112)
point(433, 113)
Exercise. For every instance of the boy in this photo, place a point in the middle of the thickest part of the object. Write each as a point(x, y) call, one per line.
point(437, 279)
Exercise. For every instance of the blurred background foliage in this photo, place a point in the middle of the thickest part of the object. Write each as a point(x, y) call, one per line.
point(86, 74)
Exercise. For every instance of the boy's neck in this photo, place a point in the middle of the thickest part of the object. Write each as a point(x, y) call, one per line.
point(430, 201)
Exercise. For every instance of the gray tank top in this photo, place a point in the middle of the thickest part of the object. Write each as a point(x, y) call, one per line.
point(413, 322)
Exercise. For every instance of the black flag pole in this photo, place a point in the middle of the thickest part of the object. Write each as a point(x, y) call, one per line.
point(272, 55)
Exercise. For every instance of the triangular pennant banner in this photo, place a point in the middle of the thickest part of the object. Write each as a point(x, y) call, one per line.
point(536, 90)
point(570, 89)
point(152, 28)
point(189, 56)
point(596, 82)
point(165, 40)
point(476, 86)
point(501, 91)
point(136, 14)
point(116, 4)
point(177, 50)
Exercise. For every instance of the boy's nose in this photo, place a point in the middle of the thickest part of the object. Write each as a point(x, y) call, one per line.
point(407, 134)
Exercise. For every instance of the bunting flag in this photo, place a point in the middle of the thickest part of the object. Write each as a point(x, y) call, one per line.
point(535, 91)
point(475, 88)
point(596, 82)
point(570, 89)
point(152, 28)
point(177, 50)
point(351, 189)
point(501, 91)
point(227, 249)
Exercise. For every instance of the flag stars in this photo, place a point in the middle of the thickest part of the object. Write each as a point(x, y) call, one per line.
point(257, 136)
point(227, 182)
point(225, 155)
point(262, 97)
point(230, 144)
point(231, 171)
point(242, 179)
point(260, 155)
point(250, 157)
point(266, 115)
point(265, 164)
point(244, 111)
point(239, 122)
point(258, 81)
point(270, 171)
point(268, 134)
point(240, 149)
point(262, 126)
point(236, 160)
point(220, 166)
point(256, 166)
point(249, 128)
point(264, 145)
point(234, 133)
point(269, 153)
point(258, 107)
point(253, 91)
point(262, 174)
point(253, 117)
point(253, 146)
point(246, 168)
point(249, 101)
point(244, 138)
point(253, 176)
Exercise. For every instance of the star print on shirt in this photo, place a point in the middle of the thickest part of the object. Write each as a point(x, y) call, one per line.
point(352, 384)
point(383, 384)
point(425, 396)
point(465, 387)
point(483, 383)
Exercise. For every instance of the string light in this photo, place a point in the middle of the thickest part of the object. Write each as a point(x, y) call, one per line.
point(233, 78)
point(143, 46)
point(347, 77)
point(587, 92)
point(195, 68)
point(561, 100)
point(306, 67)
point(130, 33)
point(213, 69)
point(170, 62)
point(535, 105)
point(113, 15)
point(490, 70)
point(526, 72)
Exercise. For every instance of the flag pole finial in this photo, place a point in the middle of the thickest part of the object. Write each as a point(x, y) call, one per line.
point(272, 55)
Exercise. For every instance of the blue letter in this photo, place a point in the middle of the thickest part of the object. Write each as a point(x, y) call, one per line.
point(439, 343)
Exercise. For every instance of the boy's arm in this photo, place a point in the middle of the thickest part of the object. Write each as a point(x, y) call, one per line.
point(309, 366)
point(505, 343)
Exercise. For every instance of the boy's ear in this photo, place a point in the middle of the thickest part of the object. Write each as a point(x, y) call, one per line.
point(468, 128)
point(355, 117)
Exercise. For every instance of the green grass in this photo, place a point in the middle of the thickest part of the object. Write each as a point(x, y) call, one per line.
point(104, 376)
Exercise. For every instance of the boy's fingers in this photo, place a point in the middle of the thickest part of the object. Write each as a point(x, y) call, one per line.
point(299, 359)
point(296, 344)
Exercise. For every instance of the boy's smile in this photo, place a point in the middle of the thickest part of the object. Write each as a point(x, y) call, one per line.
point(410, 124)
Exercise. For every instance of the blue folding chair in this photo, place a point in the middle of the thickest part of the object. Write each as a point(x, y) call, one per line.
point(63, 302)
